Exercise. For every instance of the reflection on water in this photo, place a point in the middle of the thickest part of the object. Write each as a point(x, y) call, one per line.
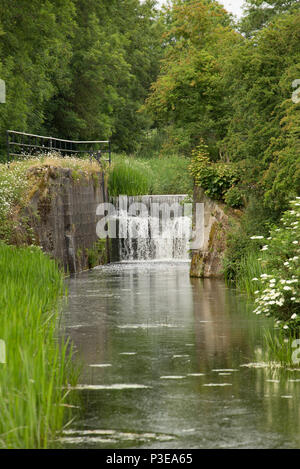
point(165, 364)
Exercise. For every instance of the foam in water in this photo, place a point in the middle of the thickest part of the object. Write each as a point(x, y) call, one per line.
point(113, 387)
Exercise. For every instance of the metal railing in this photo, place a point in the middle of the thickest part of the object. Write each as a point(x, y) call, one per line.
point(20, 144)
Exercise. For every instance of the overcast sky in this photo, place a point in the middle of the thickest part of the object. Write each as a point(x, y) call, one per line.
point(233, 6)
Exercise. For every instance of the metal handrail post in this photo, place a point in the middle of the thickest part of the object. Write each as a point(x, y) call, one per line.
point(8, 146)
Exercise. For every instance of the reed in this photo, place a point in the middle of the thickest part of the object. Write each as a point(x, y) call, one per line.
point(129, 176)
point(38, 367)
point(250, 267)
point(282, 348)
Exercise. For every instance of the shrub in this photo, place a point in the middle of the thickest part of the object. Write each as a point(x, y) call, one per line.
point(234, 197)
point(214, 178)
point(278, 289)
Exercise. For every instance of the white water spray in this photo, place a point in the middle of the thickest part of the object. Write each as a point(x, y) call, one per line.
point(153, 228)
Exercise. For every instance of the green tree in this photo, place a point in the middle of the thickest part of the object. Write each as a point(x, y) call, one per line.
point(78, 68)
point(264, 122)
point(189, 92)
point(85, 108)
point(258, 13)
point(34, 53)
point(142, 27)
point(114, 60)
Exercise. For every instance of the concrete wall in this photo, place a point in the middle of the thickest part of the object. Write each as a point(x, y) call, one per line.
point(62, 213)
point(207, 262)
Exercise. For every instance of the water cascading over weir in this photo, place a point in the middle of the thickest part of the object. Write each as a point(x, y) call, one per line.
point(151, 227)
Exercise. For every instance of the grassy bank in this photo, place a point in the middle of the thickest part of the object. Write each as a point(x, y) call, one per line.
point(32, 399)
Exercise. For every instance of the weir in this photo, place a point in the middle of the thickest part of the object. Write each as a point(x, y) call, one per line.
point(152, 227)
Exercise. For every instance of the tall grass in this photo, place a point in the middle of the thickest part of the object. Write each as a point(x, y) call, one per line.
point(250, 267)
point(138, 176)
point(37, 368)
point(128, 176)
point(170, 175)
point(281, 348)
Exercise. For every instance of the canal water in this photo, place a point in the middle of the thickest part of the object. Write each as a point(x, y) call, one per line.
point(173, 362)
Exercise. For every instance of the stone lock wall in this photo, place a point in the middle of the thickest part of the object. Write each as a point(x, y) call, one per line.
point(62, 213)
point(207, 261)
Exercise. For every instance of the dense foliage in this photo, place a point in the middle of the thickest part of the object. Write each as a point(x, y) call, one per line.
point(78, 68)
point(188, 94)
point(235, 91)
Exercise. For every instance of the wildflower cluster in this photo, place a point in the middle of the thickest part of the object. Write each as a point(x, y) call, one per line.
point(13, 184)
point(278, 290)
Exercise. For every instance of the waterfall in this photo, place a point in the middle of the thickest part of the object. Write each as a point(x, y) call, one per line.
point(152, 227)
